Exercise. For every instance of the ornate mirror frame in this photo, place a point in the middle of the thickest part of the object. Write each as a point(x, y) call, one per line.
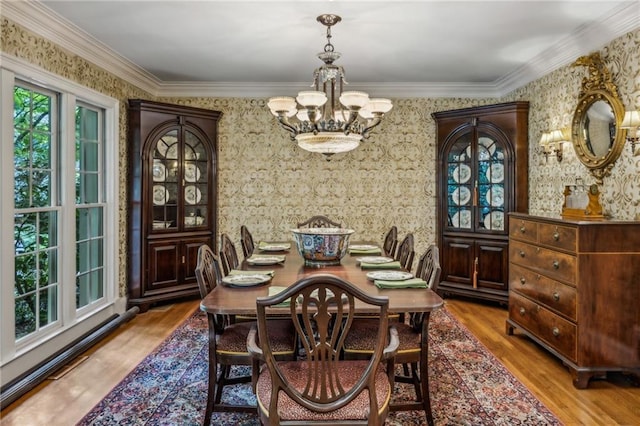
point(597, 87)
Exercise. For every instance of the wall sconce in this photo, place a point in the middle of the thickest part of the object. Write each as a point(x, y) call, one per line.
point(551, 143)
point(631, 122)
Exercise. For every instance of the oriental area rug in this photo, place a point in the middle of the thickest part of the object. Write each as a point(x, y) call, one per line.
point(469, 386)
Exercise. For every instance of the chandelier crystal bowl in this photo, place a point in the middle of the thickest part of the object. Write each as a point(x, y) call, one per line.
point(329, 120)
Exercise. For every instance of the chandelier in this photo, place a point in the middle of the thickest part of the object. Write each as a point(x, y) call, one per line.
point(327, 120)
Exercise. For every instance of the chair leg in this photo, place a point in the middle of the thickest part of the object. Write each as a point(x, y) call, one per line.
point(213, 375)
point(417, 382)
point(222, 381)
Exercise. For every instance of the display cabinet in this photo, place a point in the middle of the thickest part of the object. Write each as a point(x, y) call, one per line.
point(482, 163)
point(172, 198)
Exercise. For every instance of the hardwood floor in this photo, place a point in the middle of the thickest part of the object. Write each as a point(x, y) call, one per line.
point(63, 402)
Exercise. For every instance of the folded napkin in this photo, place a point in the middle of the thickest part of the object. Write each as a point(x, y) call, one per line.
point(280, 257)
point(376, 250)
point(389, 265)
point(410, 283)
point(243, 272)
point(266, 244)
point(273, 290)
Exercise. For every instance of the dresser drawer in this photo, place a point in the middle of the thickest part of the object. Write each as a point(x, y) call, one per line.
point(556, 265)
point(562, 237)
point(555, 295)
point(552, 329)
point(522, 229)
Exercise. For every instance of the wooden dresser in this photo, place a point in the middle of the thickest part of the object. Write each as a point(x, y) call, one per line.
point(574, 287)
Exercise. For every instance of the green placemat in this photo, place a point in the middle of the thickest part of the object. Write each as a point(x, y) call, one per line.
point(389, 265)
point(410, 283)
point(273, 290)
point(366, 251)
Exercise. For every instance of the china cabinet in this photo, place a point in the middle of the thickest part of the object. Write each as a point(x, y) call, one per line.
point(574, 290)
point(482, 174)
point(172, 196)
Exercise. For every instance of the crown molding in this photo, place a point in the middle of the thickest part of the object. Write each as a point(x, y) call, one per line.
point(586, 39)
point(41, 20)
point(38, 18)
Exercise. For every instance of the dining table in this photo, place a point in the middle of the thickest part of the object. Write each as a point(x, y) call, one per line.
point(239, 301)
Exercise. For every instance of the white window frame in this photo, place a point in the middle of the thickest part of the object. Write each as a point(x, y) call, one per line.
point(17, 358)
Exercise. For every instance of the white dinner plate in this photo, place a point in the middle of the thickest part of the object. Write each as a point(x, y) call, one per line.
point(246, 280)
point(160, 195)
point(462, 219)
point(462, 173)
point(461, 195)
point(375, 259)
point(495, 173)
point(159, 171)
point(494, 221)
point(363, 246)
point(495, 196)
point(191, 172)
point(192, 194)
point(389, 275)
point(264, 260)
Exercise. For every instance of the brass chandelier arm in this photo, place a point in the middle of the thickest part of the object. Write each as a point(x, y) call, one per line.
point(284, 123)
point(375, 121)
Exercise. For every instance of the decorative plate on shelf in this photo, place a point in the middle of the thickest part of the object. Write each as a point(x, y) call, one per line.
point(389, 275)
point(495, 196)
point(192, 194)
point(191, 172)
point(462, 219)
point(248, 280)
point(495, 173)
point(160, 195)
point(375, 259)
point(494, 220)
point(462, 173)
point(461, 195)
point(159, 171)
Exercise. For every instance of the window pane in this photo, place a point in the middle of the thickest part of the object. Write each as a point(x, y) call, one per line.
point(21, 188)
point(41, 188)
point(24, 232)
point(96, 221)
point(96, 253)
point(25, 315)
point(25, 275)
point(21, 149)
point(41, 151)
point(48, 303)
point(41, 110)
point(89, 188)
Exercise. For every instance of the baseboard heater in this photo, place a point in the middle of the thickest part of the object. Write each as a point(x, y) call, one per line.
point(32, 378)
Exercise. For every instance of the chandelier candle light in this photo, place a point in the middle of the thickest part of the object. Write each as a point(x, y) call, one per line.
point(328, 120)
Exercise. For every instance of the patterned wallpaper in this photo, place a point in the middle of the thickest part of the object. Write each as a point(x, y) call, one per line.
point(269, 184)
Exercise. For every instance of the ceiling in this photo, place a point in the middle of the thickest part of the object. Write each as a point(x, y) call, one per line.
point(401, 48)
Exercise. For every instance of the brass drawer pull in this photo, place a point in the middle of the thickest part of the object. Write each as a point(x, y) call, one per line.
point(556, 296)
point(522, 311)
point(556, 236)
point(556, 264)
point(523, 229)
point(521, 253)
point(556, 331)
point(522, 280)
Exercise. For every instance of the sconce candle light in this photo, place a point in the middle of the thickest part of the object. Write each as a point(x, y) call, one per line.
point(631, 122)
point(551, 143)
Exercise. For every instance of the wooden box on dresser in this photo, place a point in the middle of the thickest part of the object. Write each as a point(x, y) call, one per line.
point(574, 289)
point(172, 198)
point(482, 174)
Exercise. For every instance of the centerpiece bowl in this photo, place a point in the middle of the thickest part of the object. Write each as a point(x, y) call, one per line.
point(322, 246)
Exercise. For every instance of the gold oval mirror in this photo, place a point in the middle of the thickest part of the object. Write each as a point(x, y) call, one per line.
point(596, 134)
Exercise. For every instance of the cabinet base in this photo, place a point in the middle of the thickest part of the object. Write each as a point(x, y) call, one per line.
point(144, 303)
point(580, 375)
point(446, 288)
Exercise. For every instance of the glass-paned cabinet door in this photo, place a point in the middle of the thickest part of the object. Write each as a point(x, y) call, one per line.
point(460, 183)
point(165, 181)
point(490, 183)
point(195, 182)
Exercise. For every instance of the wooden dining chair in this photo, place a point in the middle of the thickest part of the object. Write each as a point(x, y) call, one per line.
point(322, 387)
point(228, 341)
point(406, 252)
point(410, 355)
point(319, 221)
point(246, 240)
point(390, 242)
point(228, 254)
